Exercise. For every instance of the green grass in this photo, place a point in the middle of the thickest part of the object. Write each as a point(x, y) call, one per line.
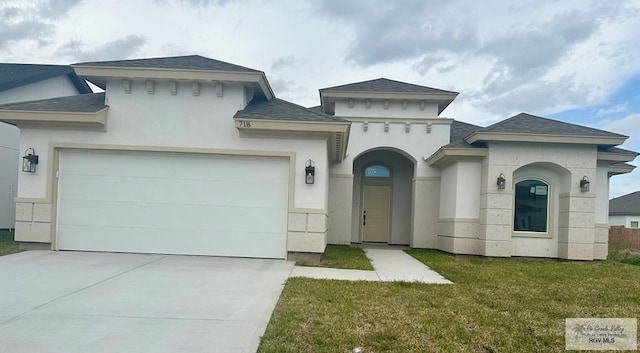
point(626, 256)
point(495, 305)
point(342, 256)
point(7, 244)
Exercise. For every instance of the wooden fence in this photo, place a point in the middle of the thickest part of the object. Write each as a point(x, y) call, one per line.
point(625, 238)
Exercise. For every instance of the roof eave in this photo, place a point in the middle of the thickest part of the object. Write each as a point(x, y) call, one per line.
point(248, 123)
point(447, 154)
point(337, 130)
point(26, 118)
point(622, 168)
point(524, 137)
point(616, 156)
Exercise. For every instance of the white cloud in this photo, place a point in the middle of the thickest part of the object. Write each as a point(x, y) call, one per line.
point(618, 108)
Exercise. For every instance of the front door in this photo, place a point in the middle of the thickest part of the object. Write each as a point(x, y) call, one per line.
point(376, 207)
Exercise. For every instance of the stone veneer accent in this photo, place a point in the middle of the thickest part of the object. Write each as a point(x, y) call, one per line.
point(495, 223)
point(33, 222)
point(459, 235)
point(307, 232)
point(576, 232)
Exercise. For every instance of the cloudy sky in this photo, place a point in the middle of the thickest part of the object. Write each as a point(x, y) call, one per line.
point(575, 61)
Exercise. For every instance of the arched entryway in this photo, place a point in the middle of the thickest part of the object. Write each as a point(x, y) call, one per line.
point(382, 197)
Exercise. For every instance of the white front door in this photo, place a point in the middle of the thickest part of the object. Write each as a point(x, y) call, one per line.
point(173, 203)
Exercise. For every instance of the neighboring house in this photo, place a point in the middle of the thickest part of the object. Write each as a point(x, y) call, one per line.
point(18, 83)
point(190, 155)
point(625, 210)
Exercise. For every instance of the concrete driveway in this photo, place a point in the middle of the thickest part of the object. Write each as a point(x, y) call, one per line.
point(106, 302)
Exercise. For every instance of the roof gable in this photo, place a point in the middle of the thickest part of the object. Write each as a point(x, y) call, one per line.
point(625, 205)
point(531, 124)
point(385, 89)
point(17, 75)
point(530, 128)
point(386, 85)
point(81, 103)
point(188, 62)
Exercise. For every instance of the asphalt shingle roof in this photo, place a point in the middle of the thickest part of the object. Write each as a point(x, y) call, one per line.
point(460, 130)
point(278, 109)
point(82, 103)
point(16, 75)
point(189, 62)
point(385, 85)
point(616, 150)
point(530, 124)
point(625, 205)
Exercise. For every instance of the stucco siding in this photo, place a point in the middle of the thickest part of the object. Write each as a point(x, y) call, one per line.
point(394, 110)
point(58, 86)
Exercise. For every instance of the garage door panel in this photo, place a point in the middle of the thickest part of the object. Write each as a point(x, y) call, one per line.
point(152, 190)
point(172, 166)
point(169, 203)
point(171, 216)
point(183, 242)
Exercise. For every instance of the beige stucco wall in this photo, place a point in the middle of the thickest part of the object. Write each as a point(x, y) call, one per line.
point(576, 229)
point(414, 133)
point(184, 121)
point(458, 230)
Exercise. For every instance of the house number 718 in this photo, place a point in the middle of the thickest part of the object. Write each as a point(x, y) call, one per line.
point(244, 123)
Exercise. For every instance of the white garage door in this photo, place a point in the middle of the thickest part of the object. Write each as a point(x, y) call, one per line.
point(173, 204)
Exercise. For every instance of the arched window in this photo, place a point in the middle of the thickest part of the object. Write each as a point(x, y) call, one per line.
point(531, 206)
point(377, 171)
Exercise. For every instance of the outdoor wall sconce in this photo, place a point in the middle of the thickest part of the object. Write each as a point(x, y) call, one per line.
point(501, 182)
point(584, 184)
point(309, 172)
point(29, 161)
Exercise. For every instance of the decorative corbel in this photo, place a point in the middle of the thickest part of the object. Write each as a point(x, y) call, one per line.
point(150, 87)
point(428, 128)
point(219, 89)
point(350, 102)
point(386, 104)
point(367, 103)
point(195, 87)
point(407, 127)
point(386, 126)
point(173, 88)
point(365, 125)
point(422, 105)
point(126, 85)
point(405, 104)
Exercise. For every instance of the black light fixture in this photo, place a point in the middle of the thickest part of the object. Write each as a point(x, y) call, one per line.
point(501, 182)
point(584, 184)
point(309, 172)
point(29, 161)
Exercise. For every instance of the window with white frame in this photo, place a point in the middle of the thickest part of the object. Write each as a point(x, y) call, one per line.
point(531, 206)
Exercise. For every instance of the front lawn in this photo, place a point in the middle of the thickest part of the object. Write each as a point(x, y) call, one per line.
point(342, 256)
point(7, 244)
point(495, 305)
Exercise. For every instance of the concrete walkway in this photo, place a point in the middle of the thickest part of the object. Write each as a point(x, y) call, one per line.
point(389, 265)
